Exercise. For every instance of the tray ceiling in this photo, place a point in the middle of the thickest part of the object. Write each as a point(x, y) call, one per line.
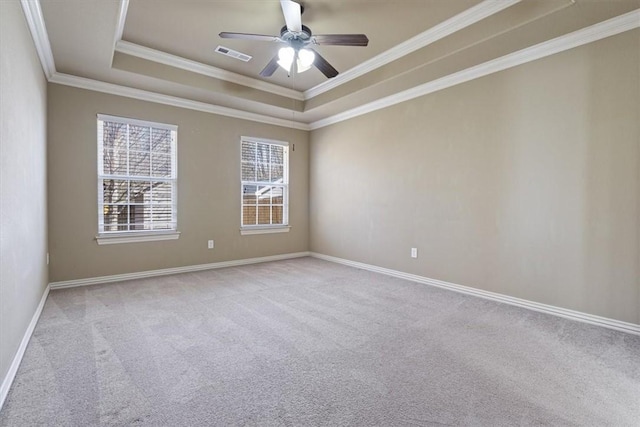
point(166, 47)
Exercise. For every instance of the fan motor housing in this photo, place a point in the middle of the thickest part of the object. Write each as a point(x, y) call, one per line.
point(299, 40)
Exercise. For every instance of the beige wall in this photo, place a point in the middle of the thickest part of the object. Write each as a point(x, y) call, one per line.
point(23, 198)
point(208, 189)
point(524, 182)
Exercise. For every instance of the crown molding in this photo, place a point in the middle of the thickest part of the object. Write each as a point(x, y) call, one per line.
point(450, 26)
point(35, 21)
point(143, 95)
point(147, 53)
point(611, 27)
point(433, 34)
point(122, 17)
point(165, 58)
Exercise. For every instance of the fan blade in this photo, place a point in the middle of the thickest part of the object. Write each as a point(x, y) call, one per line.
point(292, 15)
point(271, 67)
point(324, 66)
point(340, 39)
point(246, 36)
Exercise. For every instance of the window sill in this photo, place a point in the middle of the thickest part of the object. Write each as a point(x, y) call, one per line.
point(113, 239)
point(264, 230)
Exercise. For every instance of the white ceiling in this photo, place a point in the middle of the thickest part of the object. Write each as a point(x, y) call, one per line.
point(165, 48)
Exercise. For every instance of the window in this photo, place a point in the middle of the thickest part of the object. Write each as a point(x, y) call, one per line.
point(136, 177)
point(265, 186)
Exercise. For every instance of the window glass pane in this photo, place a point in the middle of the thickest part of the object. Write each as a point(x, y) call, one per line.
point(140, 192)
point(161, 192)
point(137, 216)
point(277, 173)
point(262, 172)
point(248, 152)
point(264, 215)
point(139, 164)
point(262, 151)
point(248, 171)
point(116, 217)
point(264, 195)
point(277, 194)
point(139, 138)
point(248, 215)
point(161, 165)
point(115, 191)
point(114, 162)
point(249, 194)
point(161, 213)
point(277, 214)
point(277, 154)
point(114, 135)
point(161, 141)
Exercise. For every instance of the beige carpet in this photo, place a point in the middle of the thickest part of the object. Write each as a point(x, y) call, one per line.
point(307, 342)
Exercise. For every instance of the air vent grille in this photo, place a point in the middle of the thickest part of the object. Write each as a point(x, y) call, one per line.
point(233, 53)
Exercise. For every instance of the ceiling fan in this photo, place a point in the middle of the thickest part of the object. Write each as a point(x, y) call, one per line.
point(298, 39)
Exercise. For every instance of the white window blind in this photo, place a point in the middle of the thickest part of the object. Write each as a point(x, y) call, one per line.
point(137, 176)
point(265, 183)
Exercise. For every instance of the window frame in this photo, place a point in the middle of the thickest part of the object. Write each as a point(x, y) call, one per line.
point(132, 236)
point(252, 229)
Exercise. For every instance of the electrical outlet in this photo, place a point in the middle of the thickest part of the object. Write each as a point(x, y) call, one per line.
point(414, 252)
point(47, 258)
point(210, 244)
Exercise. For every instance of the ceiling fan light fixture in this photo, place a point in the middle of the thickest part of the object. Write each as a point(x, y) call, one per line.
point(305, 59)
point(297, 37)
point(286, 55)
point(302, 68)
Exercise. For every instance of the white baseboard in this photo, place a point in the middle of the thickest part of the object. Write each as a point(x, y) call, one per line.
point(17, 359)
point(618, 325)
point(176, 270)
